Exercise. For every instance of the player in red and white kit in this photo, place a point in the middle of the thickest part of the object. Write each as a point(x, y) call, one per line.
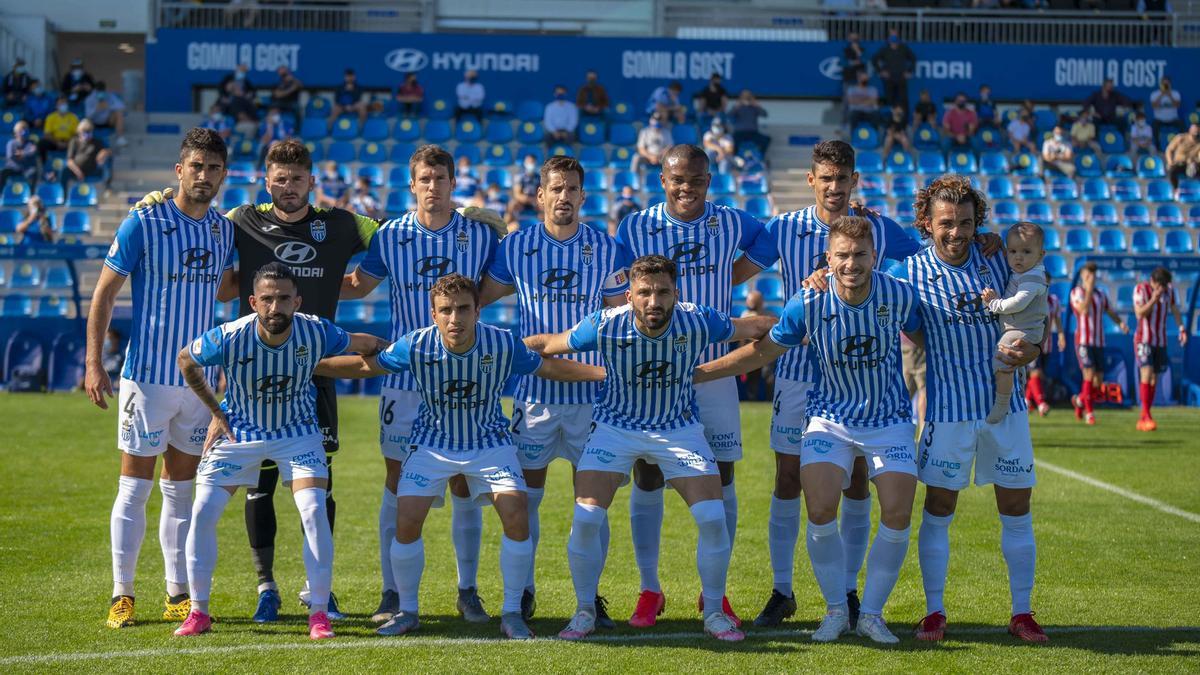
point(1090, 304)
point(1151, 302)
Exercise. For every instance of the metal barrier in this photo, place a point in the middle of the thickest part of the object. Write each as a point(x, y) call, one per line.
point(391, 17)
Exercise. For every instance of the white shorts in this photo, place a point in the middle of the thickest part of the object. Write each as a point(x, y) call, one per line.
point(679, 453)
point(153, 416)
point(427, 470)
point(397, 412)
point(233, 463)
point(788, 418)
point(1002, 453)
point(720, 412)
point(886, 449)
point(544, 431)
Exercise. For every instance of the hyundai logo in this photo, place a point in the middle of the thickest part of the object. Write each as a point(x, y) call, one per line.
point(196, 258)
point(654, 370)
point(295, 252)
point(559, 278)
point(831, 67)
point(434, 266)
point(406, 60)
point(859, 345)
point(458, 388)
point(274, 384)
point(688, 252)
point(969, 302)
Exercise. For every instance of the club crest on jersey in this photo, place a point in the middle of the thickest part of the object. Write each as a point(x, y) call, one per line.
point(486, 363)
point(589, 254)
point(714, 226)
point(215, 228)
point(883, 316)
point(461, 241)
point(984, 271)
point(302, 355)
point(317, 229)
point(681, 344)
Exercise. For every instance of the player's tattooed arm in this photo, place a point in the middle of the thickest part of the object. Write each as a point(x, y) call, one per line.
point(549, 344)
point(349, 367)
point(751, 328)
point(569, 371)
point(228, 290)
point(193, 375)
point(743, 270)
point(741, 360)
point(358, 284)
point(367, 344)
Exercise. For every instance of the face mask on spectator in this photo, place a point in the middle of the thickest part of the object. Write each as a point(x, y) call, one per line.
point(654, 123)
point(37, 91)
point(216, 117)
point(893, 39)
point(20, 70)
point(77, 72)
point(560, 96)
point(274, 119)
point(100, 96)
point(960, 104)
point(62, 109)
point(530, 167)
point(85, 135)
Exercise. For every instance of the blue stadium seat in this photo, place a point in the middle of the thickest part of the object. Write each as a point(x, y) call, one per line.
point(530, 111)
point(770, 286)
point(993, 164)
point(931, 163)
point(351, 310)
point(8, 119)
point(899, 162)
point(372, 173)
point(592, 132)
point(500, 177)
point(752, 186)
point(1105, 214)
point(870, 185)
point(903, 187)
point(1063, 189)
point(437, 131)
point(1150, 166)
point(1112, 141)
point(964, 163)
point(622, 134)
point(726, 201)
point(1056, 266)
point(1087, 165)
point(926, 139)
point(988, 138)
point(1124, 299)
point(264, 197)
point(500, 131)
point(1179, 243)
point(652, 184)
point(880, 206)
point(1126, 190)
point(1039, 213)
point(1136, 215)
point(869, 162)
point(58, 277)
point(1044, 118)
point(341, 152)
point(1193, 217)
point(864, 137)
point(498, 155)
point(740, 292)
point(622, 111)
point(620, 158)
point(722, 184)
point(372, 153)
point(1079, 240)
point(1112, 241)
point(234, 197)
point(468, 130)
point(1159, 191)
point(1189, 191)
point(530, 132)
point(1118, 166)
point(315, 150)
point(1000, 187)
point(594, 206)
point(314, 129)
point(469, 151)
point(52, 194)
point(1031, 187)
point(1095, 189)
point(52, 306)
point(1168, 215)
point(685, 134)
point(439, 109)
point(623, 178)
point(15, 194)
point(318, 107)
point(1026, 164)
point(593, 158)
point(82, 194)
point(26, 275)
point(77, 222)
point(398, 177)
point(560, 150)
point(375, 129)
point(595, 181)
point(1053, 241)
point(1071, 214)
point(1145, 241)
point(535, 150)
point(16, 305)
point(1005, 213)
point(759, 207)
point(406, 130)
point(399, 201)
point(241, 173)
point(500, 109)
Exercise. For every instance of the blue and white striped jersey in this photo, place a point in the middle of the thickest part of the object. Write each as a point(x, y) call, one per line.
point(413, 258)
point(175, 264)
point(704, 251)
point(558, 283)
point(857, 350)
point(270, 394)
point(960, 334)
point(460, 393)
point(798, 240)
point(649, 380)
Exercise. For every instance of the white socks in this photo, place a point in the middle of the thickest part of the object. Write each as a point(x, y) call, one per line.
point(729, 500)
point(585, 554)
point(533, 497)
point(318, 545)
point(387, 534)
point(828, 561)
point(783, 530)
point(515, 560)
point(712, 552)
point(127, 526)
point(466, 529)
point(408, 562)
point(173, 526)
point(645, 525)
point(856, 534)
point(1020, 554)
point(210, 502)
point(933, 550)
point(883, 567)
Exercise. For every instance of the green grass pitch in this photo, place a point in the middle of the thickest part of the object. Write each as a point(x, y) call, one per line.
point(1118, 580)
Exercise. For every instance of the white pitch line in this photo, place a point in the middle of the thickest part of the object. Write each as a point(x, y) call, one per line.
point(416, 642)
point(1128, 494)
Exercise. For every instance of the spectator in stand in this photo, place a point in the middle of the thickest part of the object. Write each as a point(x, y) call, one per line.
point(760, 382)
point(744, 117)
point(897, 131)
point(470, 94)
point(625, 204)
point(77, 84)
point(349, 99)
point(895, 63)
point(332, 190)
point(238, 102)
point(36, 217)
point(1083, 132)
point(1164, 103)
point(985, 108)
point(1105, 101)
point(1141, 136)
point(1020, 130)
point(466, 179)
point(592, 98)
point(959, 123)
point(1183, 155)
point(16, 85)
point(711, 101)
point(58, 129)
point(1057, 154)
point(20, 157)
point(218, 122)
point(560, 118)
point(410, 95)
point(925, 111)
point(364, 200)
point(240, 74)
point(664, 102)
point(106, 110)
point(285, 95)
point(274, 128)
point(652, 141)
point(854, 61)
point(87, 157)
point(495, 199)
point(38, 104)
point(718, 143)
point(861, 102)
point(525, 187)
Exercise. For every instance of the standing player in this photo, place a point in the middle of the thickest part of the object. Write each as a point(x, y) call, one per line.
point(459, 366)
point(1151, 302)
point(961, 337)
point(859, 408)
point(178, 253)
point(702, 239)
point(648, 410)
point(268, 412)
point(414, 251)
point(561, 271)
point(798, 240)
point(1090, 304)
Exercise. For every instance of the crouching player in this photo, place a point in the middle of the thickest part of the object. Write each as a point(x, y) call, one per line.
point(460, 366)
point(268, 413)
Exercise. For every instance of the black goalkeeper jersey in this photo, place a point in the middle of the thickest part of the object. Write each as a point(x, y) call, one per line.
point(317, 248)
